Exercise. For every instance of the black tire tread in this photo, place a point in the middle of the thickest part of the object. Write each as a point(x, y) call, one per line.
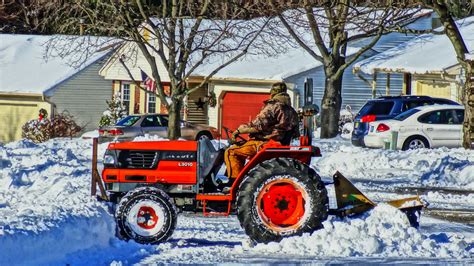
point(145, 193)
point(262, 172)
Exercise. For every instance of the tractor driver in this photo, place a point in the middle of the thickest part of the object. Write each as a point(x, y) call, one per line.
point(276, 121)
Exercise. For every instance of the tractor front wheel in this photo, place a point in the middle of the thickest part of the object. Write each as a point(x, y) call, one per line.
point(146, 215)
point(281, 197)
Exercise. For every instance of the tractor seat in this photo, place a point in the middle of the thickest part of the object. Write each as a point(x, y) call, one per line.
point(210, 158)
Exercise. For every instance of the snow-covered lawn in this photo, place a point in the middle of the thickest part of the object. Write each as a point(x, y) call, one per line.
point(47, 215)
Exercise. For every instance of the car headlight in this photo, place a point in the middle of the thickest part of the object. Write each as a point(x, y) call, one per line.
point(109, 159)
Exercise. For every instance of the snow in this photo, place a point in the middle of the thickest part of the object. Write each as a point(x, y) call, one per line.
point(371, 235)
point(428, 53)
point(279, 67)
point(45, 61)
point(440, 167)
point(48, 217)
point(90, 134)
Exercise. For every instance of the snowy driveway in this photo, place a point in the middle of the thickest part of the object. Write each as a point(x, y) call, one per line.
point(46, 215)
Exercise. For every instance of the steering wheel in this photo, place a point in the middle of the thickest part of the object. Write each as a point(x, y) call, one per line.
point(229, 134)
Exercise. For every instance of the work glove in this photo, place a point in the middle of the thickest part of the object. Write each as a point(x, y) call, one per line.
point(234, 136)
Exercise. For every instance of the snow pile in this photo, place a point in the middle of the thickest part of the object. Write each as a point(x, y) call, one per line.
point(434, 167)
point(385, 231)
point(46, 210)
point(48, 217)
point(148, 137)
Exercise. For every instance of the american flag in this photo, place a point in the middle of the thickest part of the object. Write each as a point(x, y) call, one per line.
point(149, 82)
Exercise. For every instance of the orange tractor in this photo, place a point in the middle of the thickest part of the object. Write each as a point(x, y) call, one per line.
point(276, 195)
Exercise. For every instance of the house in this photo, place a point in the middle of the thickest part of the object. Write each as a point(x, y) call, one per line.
point(358, 87)
point(428, 62)
point(55, 73)
point(241, 87)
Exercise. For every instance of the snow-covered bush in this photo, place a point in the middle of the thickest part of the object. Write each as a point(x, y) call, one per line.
point(346, 120)
point(43, 129)
point(115, 111)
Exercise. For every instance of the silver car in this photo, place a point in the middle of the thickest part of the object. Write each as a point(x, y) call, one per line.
point(154, 124)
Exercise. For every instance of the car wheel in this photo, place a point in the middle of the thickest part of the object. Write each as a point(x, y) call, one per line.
point(415, 142)
point(202, 134)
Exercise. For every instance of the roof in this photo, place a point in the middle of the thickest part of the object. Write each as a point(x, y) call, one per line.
point(439, 107)
point(259, 67)
point(30, 64)
point(428, 53)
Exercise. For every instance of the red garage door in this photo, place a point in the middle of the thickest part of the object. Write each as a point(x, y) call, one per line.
point(241, 107)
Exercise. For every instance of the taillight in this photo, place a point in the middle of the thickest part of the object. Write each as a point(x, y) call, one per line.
point(382, 128)
point(368, 118)
point(115, 132)
point(101, 132)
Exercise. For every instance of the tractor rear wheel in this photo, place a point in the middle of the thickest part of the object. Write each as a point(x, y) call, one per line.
point(281, 197)
point(146, 215)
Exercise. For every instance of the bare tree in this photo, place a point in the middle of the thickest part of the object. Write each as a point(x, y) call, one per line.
point(332, 27)
point(35, 16)
point(179, 35)
point(447, 12)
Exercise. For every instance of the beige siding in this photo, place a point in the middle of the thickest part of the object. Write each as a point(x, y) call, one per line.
point(436, 86)
point(134, 60)
point(15, 112)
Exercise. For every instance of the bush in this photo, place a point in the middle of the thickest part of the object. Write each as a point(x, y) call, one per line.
point(115, 111)
point(43, 129)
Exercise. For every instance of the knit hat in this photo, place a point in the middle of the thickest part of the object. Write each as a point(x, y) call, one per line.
point(278, 87)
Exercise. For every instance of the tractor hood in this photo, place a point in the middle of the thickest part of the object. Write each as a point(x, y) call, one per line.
point(174, 145)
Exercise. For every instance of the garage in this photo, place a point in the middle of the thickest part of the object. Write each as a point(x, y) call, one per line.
point(240, 107)
point(14, 113)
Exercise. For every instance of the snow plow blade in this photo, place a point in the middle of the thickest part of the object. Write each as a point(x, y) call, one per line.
point(351, 201)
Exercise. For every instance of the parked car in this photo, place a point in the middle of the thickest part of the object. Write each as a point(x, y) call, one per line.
point(421, 127)
point(154, 124)
point(388, 107)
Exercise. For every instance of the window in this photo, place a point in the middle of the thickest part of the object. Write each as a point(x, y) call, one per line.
point(151, 121)
point(151, 103)
point(128, 121)
point(377, 108)
point(460, 116)
point(125, 93)
point(164, 120)
point(412, 104)
point(438, 117)
point(406, 114)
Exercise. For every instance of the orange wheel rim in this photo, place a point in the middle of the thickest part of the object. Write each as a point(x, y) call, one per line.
point(281, 205)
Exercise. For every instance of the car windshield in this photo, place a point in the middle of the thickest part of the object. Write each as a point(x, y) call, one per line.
point(128, 121)
point(406, 114)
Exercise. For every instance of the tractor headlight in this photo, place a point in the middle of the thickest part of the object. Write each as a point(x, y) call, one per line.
point(109, 158)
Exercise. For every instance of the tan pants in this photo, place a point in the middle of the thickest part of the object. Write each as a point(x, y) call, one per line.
point(235, 156)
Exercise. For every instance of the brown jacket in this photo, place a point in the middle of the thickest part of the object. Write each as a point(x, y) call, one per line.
point(277, 120)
